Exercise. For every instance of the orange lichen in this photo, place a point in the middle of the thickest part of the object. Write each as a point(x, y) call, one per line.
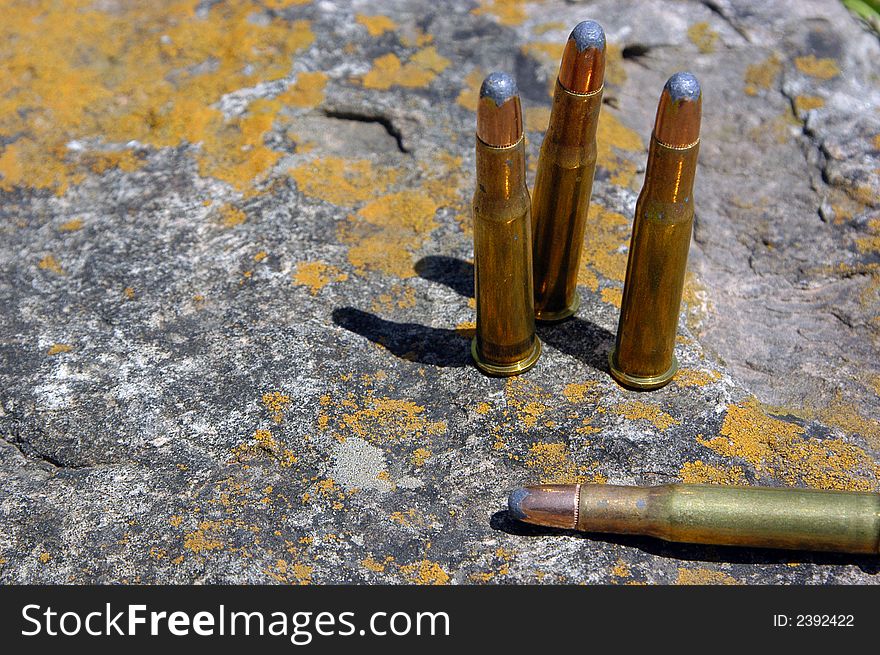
point(398, 296)
point(703, 577)
point(306, 92)
point(620, 570)
point(613, 296)
point(144, 73)
point(376, 25)
point(317, 275)
point(44, 557)
point(820, 68)
point(470, 94)
point(385, 231)
point(466, 329)
point(805, 103)
point(703, 36)
point(59, 348)
point(536, 118)
point(71, 225)
point(607, 235)
point(762, 75)
point(555, 466)
point(277, 403)
point(526, 399)
point(578, 392)
point(506, 12)
point(375, 565)
point(425, 572)
point(49, 263)
point(611, 136)
point(230, 216)
point(699, 472)
point(419, 71)
point(203, 539)
point(777, 448)
point(420, 456)
point(635, 410)
point(483, 408)
point(389, 419)
point(689, 377)
point(343, 182)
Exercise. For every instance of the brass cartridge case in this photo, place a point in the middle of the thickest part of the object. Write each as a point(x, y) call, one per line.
point(505, 342)
point(765, 517)
point(644, 353)
point(564, 180)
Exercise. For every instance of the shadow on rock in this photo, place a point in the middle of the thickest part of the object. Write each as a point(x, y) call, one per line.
point(581, 339)
point(503, 522)
point(457, 274)
point(410, 341)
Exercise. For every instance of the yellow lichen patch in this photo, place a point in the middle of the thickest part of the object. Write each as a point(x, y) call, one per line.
point(71, 225)
point(762, 75)
point(701, 473)
point(823, 69)
point(703, 577)
point(260, 256)
point(118, 82)
point(317, 275)
point(615, 73)
point(579, 392)
point(806, 103)
point(537, 118)
point(342, 182)
point(204, 539)
point(844, 415)
point(306, 92)
point(419, 71)
point(58, 348)
point(778, 449)
point(703, 36)
point(129, 293)
point(230, 216)
point(620, 570)
point(420, 456)
point(613, 296)
point(506, 12)
point(607, 235)
point(293, 573)
point(547, 53)
point(690, 377)
point(527, 399)
point(277, 403)
point(635, 410)
point(264, 444)
point(870, 243)
point(696, 300)
point(389, 419)
point(425, 572)
point(483, 408)
point(553, 463)
point(552, 26)
point(470, 94)
point(49, 263)
point(586, 277)
point(376, 25)
point(44, 557)
point(612, 135)
point(372, 564)
point(385, 231)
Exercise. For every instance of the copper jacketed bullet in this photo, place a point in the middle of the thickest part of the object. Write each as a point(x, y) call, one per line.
point(800, 519)
point(564, 179)
point(644, 356)
point(505, 341)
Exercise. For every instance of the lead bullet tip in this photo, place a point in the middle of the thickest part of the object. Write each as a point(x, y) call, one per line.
point(679, 111)
point(499, 114)
point(582, 69)
point(553, 505)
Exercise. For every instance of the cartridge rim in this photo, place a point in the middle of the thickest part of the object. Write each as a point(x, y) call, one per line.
point(506, 370)
point(639, 382)
point(560, 315)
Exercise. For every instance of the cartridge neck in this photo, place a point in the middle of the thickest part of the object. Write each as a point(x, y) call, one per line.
point(501, 172)
point(670, 173)
point(574, 117)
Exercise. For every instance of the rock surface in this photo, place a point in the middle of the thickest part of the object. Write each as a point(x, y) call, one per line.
point(236, 290)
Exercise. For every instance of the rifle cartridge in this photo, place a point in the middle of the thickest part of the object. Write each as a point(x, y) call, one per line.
point(505, 342)
point(644, 354)
point(765, 517)
point(564, 180)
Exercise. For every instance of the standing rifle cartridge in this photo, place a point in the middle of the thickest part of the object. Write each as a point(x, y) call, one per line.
point(505, 341)
point(564, 180)
point(764, 517)
point(644, 356)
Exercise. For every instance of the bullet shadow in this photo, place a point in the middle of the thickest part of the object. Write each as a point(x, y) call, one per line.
point(457, 274)
point(579, 338)
point(410, 341)
point(503, 522)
